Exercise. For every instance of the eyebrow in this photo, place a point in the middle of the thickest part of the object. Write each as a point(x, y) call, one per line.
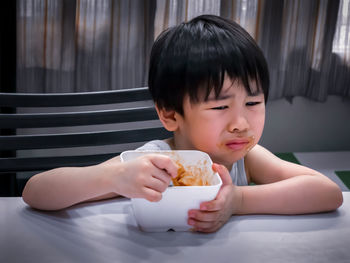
point(224, 97)
point(220, 97)
point(255, 93)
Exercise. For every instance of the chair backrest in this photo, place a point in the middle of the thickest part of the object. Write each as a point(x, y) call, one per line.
point(44, 121)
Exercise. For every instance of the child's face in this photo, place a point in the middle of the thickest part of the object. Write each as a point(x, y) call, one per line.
point(227, 127)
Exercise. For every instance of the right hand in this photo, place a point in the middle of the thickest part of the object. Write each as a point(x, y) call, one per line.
point(145, 177)
point(214, 214)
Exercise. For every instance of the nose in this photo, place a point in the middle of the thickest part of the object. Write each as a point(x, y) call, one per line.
point(238, 123)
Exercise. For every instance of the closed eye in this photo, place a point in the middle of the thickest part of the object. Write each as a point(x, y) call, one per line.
point(220, 108)
point(252, 103)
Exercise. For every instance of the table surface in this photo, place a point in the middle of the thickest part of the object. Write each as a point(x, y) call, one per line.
point(106, 232)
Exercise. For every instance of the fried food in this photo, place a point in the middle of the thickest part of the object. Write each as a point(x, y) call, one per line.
point(193, 176)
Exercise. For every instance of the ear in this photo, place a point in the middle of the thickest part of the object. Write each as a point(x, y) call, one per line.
point(169, 118)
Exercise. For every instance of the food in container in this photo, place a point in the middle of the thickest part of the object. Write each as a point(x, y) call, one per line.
point(196, 183)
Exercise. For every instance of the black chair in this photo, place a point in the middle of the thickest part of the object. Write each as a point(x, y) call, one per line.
point(36, 127)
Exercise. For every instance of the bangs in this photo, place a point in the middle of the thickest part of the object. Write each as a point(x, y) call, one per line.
point(214, 56)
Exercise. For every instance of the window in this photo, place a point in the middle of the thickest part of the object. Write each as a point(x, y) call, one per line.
point(341, 42)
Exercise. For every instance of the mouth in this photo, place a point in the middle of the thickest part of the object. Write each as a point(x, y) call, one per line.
point(240, 143)
point(237, 144)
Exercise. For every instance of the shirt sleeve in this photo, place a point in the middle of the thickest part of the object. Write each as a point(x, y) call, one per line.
point(156, 145)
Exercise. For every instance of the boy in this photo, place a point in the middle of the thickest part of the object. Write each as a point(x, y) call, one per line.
point(209, 81)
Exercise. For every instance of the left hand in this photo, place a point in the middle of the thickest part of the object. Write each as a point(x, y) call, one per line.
point(214, 214)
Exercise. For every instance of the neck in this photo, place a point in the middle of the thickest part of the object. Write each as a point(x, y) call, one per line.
point(171, 143)
point(177, 142)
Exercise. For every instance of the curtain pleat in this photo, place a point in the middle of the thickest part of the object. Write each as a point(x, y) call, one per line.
point(89, 45)
point(83, 45)
point(339, 61)
point(173, 12)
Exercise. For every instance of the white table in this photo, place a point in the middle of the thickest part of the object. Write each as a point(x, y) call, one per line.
point(106, 232)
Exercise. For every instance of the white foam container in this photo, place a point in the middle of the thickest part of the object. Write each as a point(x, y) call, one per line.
point(171, 212)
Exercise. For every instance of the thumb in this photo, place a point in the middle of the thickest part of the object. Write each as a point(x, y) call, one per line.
point(223, 172)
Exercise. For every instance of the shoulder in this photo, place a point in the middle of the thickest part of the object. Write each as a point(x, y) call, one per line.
point(258, 152)
point(263, 167)
point(156, 145)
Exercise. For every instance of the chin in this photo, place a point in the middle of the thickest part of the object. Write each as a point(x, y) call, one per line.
point(228, 162)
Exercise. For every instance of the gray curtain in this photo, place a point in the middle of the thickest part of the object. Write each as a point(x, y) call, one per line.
point(86, 45)
point(297, 39)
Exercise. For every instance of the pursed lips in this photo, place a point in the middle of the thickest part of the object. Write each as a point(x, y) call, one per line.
point(238, 144)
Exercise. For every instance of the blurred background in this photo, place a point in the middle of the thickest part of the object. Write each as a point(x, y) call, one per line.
point(92, 45)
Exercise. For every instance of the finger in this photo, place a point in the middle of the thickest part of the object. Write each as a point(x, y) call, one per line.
point(150, 169)
point(216, 204)
point(157, 184)
point(204, 226)
point(223, 172)
point(165, 163)
point(211, 206)
point(151, 195)
point(161, 175)
point(203, 216)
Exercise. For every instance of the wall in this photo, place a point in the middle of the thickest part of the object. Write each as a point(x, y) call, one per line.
point(306, 126)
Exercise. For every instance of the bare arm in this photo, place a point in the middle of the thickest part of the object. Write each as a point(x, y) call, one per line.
point(62, 187)
point(285, 188)
point(146, 177)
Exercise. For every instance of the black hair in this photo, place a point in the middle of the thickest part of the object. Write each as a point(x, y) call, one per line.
point(196, 55)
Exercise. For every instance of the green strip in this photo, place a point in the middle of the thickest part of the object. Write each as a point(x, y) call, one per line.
point(344, 176)
point(290, 157)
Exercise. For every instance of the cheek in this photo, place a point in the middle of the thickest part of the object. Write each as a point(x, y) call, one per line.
point(259, 122)
point(205, 135)
point(201, 124)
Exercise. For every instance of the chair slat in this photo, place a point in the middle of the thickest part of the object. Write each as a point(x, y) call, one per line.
point(29, 164)
point(22, 142)
point(73, 99)
point(40, 120)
